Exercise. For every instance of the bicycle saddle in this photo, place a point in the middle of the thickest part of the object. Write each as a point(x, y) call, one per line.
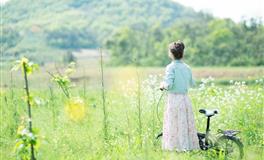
point(208, 112)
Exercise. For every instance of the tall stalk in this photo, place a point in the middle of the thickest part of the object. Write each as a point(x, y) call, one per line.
point(105, 127)
point(128, 127)
point(29, 108)
point(84, 84)
point(52, 96)
point(153, 112)
point(13, 104)
point(11, 86)
point(139, 108)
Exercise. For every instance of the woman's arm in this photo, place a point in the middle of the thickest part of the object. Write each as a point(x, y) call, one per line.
point(192, 80)
point(168, 78)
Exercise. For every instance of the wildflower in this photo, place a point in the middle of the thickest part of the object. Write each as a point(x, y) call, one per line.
point(75, 109)
point(24, 132)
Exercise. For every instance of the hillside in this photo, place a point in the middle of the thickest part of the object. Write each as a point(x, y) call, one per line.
point(132, 31)
point(47, 26)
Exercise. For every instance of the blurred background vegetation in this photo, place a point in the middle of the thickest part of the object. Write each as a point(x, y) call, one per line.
point(49, 31)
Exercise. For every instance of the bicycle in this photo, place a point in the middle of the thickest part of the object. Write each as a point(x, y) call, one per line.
point(225, 144)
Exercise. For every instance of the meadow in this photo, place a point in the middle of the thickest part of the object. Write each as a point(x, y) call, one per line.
point(81, 113)
point(132, 117)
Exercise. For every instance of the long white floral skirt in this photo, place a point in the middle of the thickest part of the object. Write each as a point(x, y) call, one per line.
point(179, 131)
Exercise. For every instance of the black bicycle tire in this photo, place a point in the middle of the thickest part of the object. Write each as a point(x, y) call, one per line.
point(201, 136)
point(236, 141)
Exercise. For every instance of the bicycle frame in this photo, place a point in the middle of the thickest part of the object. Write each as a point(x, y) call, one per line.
point(207, 130)
point(205, 136)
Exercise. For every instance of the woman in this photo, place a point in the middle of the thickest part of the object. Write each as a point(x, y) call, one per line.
point(179, 131)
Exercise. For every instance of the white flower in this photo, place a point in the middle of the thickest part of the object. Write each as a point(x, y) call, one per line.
point(24, 131)
point(31, 135)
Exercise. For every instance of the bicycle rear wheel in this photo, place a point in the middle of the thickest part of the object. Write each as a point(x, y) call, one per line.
point(230, 148)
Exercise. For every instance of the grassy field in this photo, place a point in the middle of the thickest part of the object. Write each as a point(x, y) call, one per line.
point(88, 71)
point(132, 115)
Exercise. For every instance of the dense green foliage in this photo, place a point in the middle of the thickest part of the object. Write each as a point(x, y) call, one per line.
point(133, 31)
point(208, 42)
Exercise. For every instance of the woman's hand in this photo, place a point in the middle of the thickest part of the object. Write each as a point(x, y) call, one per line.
point(162, 86)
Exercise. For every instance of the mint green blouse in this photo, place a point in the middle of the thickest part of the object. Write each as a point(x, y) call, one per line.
point(178, 77)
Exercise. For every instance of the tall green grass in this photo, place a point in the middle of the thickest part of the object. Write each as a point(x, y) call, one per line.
point(241, 108)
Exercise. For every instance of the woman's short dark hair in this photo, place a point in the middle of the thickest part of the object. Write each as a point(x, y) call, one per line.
point(177, 49)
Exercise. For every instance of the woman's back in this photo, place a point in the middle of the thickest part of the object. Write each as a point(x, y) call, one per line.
point(178, 77)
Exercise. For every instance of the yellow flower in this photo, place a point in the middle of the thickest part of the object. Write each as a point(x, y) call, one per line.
point(24, 60)
point(75, 109)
